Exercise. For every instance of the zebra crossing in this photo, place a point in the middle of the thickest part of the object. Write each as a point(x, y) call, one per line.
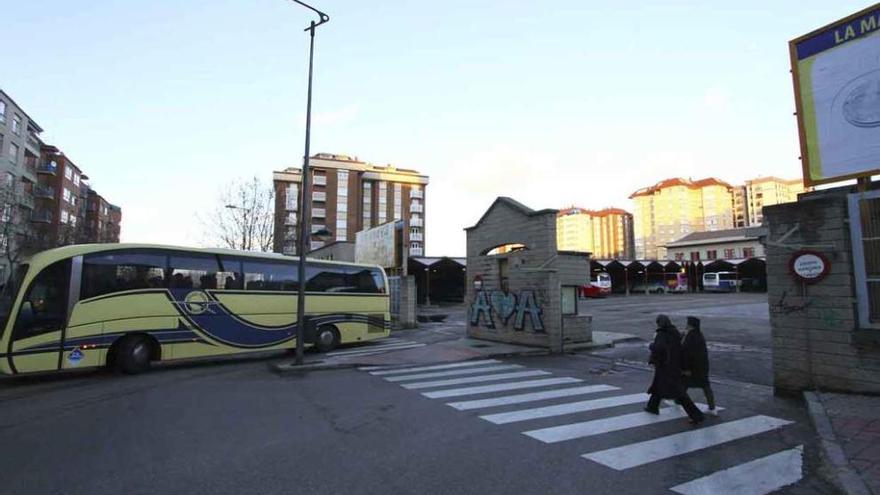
point(382, 346)
point(487, 385)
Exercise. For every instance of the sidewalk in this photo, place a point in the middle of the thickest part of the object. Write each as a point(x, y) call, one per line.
point(855, 428)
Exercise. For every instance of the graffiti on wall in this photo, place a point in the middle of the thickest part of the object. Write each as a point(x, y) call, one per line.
point(506, 305)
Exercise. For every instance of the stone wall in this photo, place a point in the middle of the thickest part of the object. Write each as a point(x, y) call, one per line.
point(528, 310)
point(816, 340)
point(403, 301)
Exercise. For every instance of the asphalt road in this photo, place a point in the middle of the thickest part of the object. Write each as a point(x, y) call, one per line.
point(736, 326)
point(238, 428)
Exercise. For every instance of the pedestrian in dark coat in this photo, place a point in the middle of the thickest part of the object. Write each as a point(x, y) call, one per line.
point(666, 359)
point(695, 360)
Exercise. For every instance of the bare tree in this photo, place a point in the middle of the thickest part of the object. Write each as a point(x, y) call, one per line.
point(243, 218)
point(17, 237)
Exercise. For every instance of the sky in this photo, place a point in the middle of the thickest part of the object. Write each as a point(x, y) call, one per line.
point(571, 102)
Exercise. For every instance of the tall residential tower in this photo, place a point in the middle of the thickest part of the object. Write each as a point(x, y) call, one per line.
point(348, 196)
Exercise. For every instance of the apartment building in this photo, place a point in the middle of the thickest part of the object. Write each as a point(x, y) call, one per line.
point(607, 233)
point(674, 208)
point(19, 154)
point(349, 195)
point(102, 219)
point(751, 197)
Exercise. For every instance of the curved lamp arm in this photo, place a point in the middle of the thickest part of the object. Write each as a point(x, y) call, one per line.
point(323, 17)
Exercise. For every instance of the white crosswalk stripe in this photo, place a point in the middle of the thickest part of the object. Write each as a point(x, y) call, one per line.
point(500, 387)
point(529, 397)
point(440, 374)
point(383, 370)
point(563, 409)
point(606, 425)
point(453, 380)
point(756, 477)
point(637, 454)
point(373, 348)
point(474, 379)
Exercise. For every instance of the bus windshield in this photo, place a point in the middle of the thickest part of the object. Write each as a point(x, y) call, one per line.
point(8, 293)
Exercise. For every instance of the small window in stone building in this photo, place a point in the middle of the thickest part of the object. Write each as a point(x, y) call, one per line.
point(569, 300)
point(864, 213)
point(503, 275)
point(748, 252)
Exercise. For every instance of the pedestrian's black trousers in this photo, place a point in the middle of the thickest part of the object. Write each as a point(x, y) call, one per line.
point(684, 401)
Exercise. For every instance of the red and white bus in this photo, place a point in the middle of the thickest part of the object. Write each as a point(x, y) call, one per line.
point(599, 286)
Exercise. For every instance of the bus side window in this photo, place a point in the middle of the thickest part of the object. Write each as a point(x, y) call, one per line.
point(44, 307)
point(230, 276)
point(117, 271)
point(326, 278)
point(192, 271)
point(274, 276)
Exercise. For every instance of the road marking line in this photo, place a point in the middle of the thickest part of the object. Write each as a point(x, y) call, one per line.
point(368, 348)
point(757, 477)
point(475, 379)
point(440, 374)
point(365, 352)
point(394, 371)
point(485, 389)
point(606, 425)
point(637, 454)
point(563, 409)
point(530, 397)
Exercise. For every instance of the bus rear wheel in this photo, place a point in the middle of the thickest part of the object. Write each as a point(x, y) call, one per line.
point(132, 355)
point(327, 338)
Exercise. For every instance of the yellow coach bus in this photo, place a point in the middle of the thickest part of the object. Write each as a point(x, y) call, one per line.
point(128, 305)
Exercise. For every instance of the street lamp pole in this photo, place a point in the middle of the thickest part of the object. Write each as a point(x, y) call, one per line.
point(304, 203)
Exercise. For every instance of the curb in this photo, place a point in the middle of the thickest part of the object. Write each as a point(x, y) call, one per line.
point(845, 476)
point(284, 368)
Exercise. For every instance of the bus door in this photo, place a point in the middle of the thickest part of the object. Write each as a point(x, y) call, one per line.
point(38, 333)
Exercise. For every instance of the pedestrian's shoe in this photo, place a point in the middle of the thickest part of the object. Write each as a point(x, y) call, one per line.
point(652, 411)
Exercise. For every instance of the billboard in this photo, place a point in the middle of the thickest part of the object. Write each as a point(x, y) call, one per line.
point(836, 71)
point(376, 246)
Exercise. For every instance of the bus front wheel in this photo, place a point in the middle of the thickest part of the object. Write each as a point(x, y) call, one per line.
point(327, 338)
point(132, 355)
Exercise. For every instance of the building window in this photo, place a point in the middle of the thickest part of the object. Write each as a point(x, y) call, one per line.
point(2, 111)
point(67, 195)
point(383, 202)
point(368, 205)
point(679, 256)
point(65, 217)
point(864, 221)
point(13, 153)
point(16, 125)
point(398, 203)
point(76, 179)
point(342, 205)
point(729, 253)
point(68, 172)
point(695, 256)
point(748, 252)
point(711, 254)
point(291, 197)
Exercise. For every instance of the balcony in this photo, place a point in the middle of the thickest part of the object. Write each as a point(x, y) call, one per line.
point(319, 196)
point(416, 194)
point(416, 222)
point(290, 220)
point(289, 250)
point(317, 227)
point(26, 200)
point(45, 192)
point(416, 237)
point(315, 245)
point(416, 208)
point(319, 213)
point(416, 251)
point(47, 168)
point(42, 216)
point(320, 180)
point(292, 203)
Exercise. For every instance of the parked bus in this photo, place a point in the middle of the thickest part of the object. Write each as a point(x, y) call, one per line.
point(128, 305)
point(720, 282)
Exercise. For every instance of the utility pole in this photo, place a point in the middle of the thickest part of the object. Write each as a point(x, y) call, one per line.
point(304, 204)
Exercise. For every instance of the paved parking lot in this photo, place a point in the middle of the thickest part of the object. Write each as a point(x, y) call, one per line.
point(737, 327)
